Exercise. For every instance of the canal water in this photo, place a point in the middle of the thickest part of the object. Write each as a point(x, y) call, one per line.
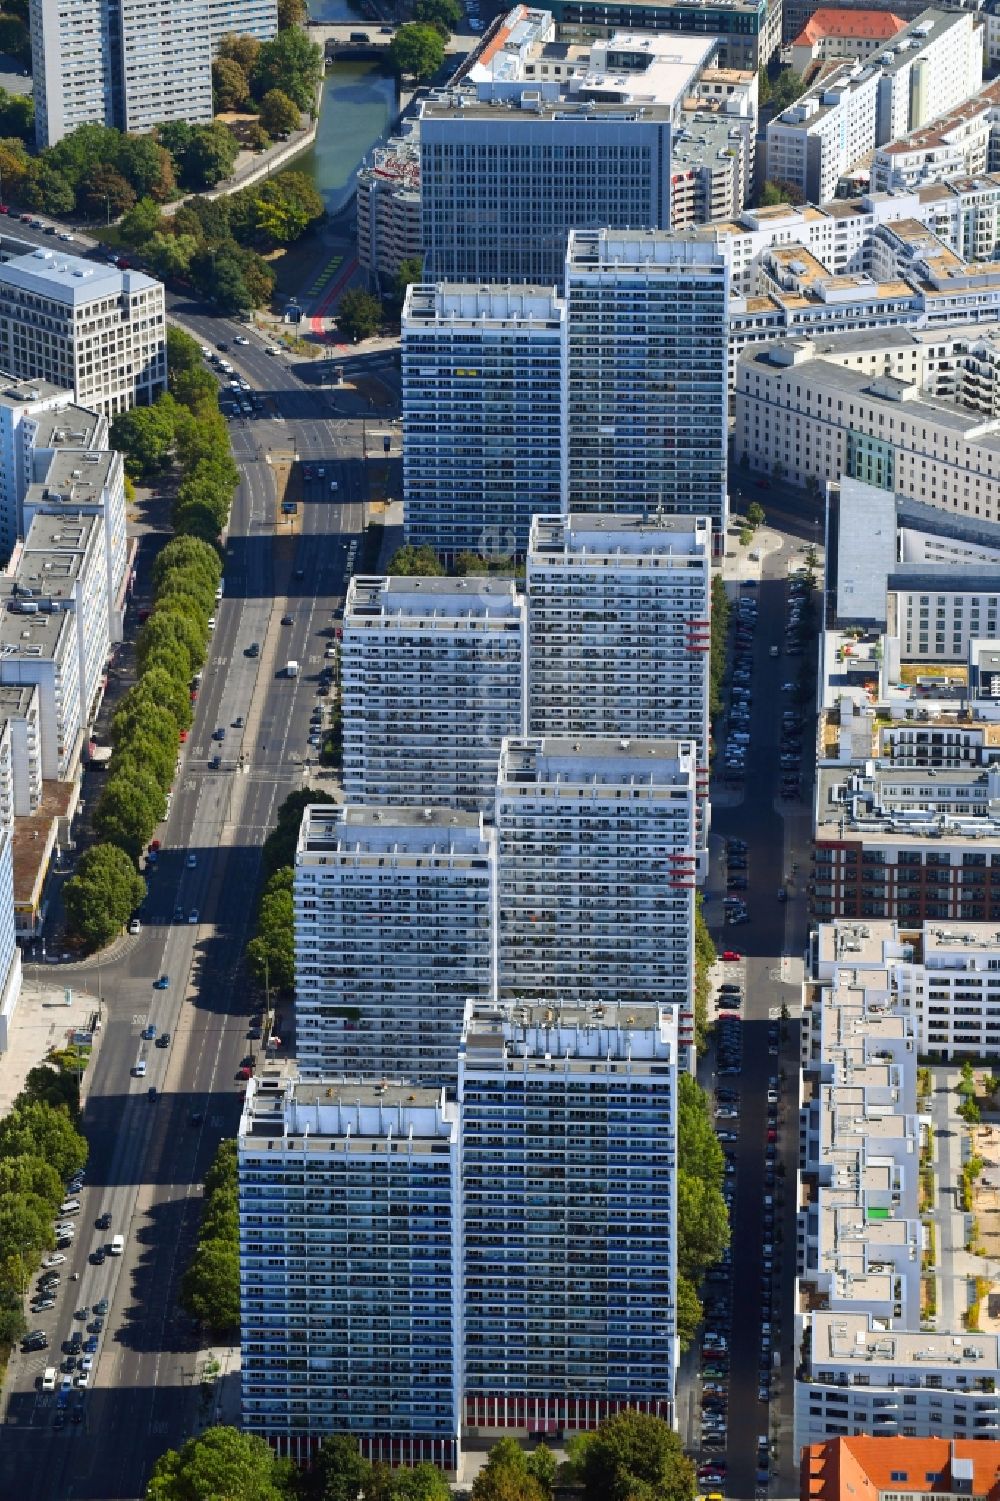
point(360, 101)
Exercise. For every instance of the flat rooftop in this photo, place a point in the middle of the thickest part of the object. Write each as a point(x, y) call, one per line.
point(596, 760)
point(69, 279)
point(461, 305)
point(589, 533)
point(338, 834)
point(435, 601)
point(58, 535)
point(70, 426)
point(73, 479)
point(15, 393)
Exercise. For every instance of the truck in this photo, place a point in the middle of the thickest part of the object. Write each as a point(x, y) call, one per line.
point(291, 669)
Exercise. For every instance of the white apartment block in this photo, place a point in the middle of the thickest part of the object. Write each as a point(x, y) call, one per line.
point(646, 403)
point(394, 931)
point(857, 407)
point(72, 68)
point(865, 1364)
point(40, 648)
point(432, 680)
point(10, 954)
point(135, 68)
point(19, 710)
point(928, 69)
point(482, 415)
point(91, 484)
point(93, 329)
point(963, 139)
point(813, 142)
point(935, 614)
point(618, 628)
point(350, 1300)
point(21, 408)
point(596, 861)
point(62, 566)
point(569, 1128)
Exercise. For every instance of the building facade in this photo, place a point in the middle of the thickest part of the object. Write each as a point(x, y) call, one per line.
point(432, 675)
point(596, 862)
point(21, 407)
point(618, 628)
point(646, 407)
point(350, 1304)
point(748, 31)
point(813, 142)
point(569, 1127)
point(482, 415)
point(394, 931)
point(91, 329)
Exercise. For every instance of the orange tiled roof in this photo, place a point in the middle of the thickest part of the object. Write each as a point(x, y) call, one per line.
point(867, 25)
point(860, 1467)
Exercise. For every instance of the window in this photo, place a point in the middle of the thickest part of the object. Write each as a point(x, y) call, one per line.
point(899, 1475)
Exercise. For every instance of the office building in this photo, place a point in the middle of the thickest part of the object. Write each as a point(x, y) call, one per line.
point(134, 66)
point(569, 1127)
point(91, 329)
point(859, 405)
point(866, 1362)
point(820, 137)
point(647, 374)
point(596, 861)
point(350, 1304)
point(21, 408)
point(432, 675)
point(748, 31)
point(482, 415)
point(618, 628)
point(840, 1469)
point(832, 33)
point(388, 200)
point(394, 931)
point(575, 143)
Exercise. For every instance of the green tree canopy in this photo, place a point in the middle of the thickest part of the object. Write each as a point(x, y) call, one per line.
point(102, 895)
point(279, 115)
point(279, 847)
point(145, 435)
point(17, 116)
point(410, 271)
point(417, 50)
point(633, 1454)
point(104, 193)
point(292, 13)
point(28, 1174)
point(36, 1129)
point(359, 314)
point(421, 1482)
point(506, 1476)
point(446, 15)
point(230, 85)
point(131, 806)
point(413, 561)
point(272, 952)
point(143, 220)
point(291, 63)
point(244, 50)
point(46, 188)
point(186, 552)
point(221, 1464)
point(159, 686)
point(338, 1472)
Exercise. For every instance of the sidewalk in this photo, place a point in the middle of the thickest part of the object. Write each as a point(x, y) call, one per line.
point(42, 1021)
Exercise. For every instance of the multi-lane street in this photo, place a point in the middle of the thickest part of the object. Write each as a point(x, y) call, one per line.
point(149, 1154)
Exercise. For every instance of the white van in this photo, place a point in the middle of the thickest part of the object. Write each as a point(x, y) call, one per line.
point(49, 1379)
point(117, 1245)
point(69, 1206)
point(139, 1069)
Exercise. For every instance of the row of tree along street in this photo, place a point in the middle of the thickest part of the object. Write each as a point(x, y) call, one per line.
point(630, 1457)
point(186, 427)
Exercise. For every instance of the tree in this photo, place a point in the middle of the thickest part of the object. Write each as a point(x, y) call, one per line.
point(416, 561)
point(211, 1287)
point(149, 752)
point(446, 15)
point(221, 1465)
point(292, 63)
point(338, 1472)
point(102, 895)
point(186, 553)
point(258, 279)
point(422, 1482)
point(170, 256)
point(417, 50)
point(230, 85)
point(755, 515)
point(25, 1226)
point(158, 686)
point(167, 629)
point(28, 1174)
point(209, 157)
point(145, 435)
point(244, 50)
point(280, 844)
point(142, 220)
point(14, 38)
point(17, 116)
point(272, 951)
point(144, 163)
point(139, 720)
point(506, 1477)
point(785, 90)
point(183, 352)
point(410, 271)
point(49, 190)
point(106, 194)
point(35, 1129)
point(633, 1454)
point(131, 806)
point(279, 115)
point(774, 193)
point(256, 137)
point(292, 13)
point(359, 314)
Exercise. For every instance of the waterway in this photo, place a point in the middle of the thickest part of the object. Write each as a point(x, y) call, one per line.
point(360, 102)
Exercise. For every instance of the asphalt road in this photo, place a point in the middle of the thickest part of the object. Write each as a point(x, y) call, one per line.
point(147, 1156)
point(774, 930)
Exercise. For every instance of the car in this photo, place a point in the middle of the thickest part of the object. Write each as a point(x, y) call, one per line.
point(148, 1032)
point(91, 1344)
point(238, 722)
point(96, 1326)
point(42, 1304)
point(163, 1041)
point(731, 956)
point(178, 917)
point(163, 983)
point(772, 1096)
point(193, 915)
point(135, 926)
point(55, 1259)
point(287, 620)
point(222, 348)
point(243, 1072)
point(214, 763)
point(81, 1380)
point(151, 1092)
point(101, 1307)
point(253, 650)
point(782, 894)
point(98, 1257)
point(86, 1363)
point(192, 861)
point(242, 340)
